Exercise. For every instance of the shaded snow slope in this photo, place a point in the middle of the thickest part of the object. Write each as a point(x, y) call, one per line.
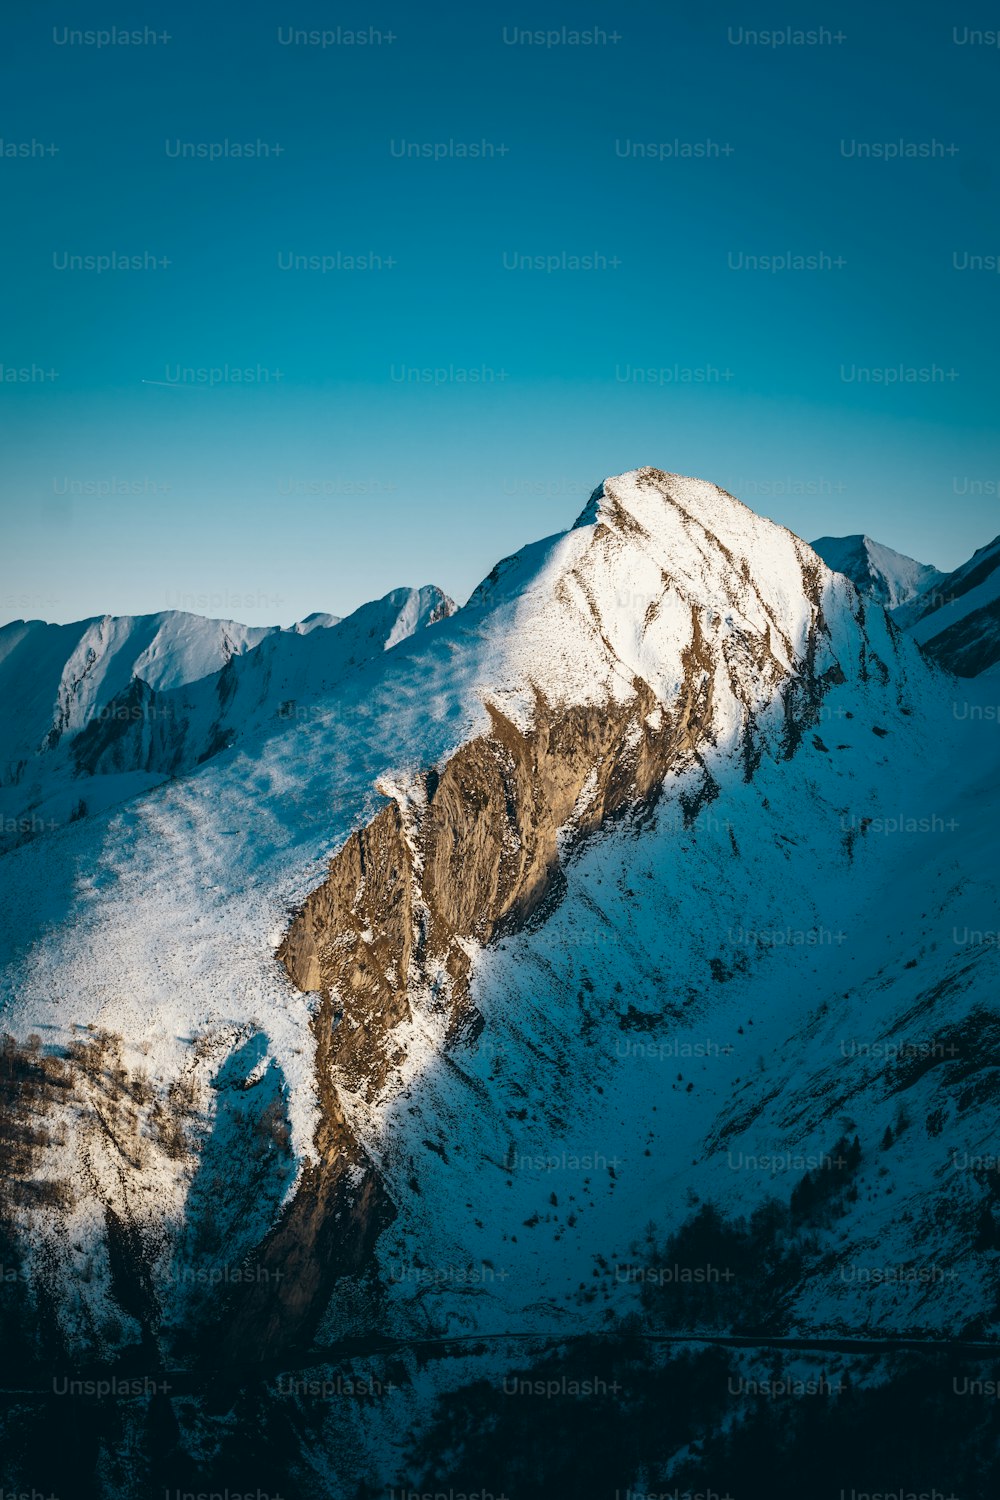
point(954, 616)
point(57, 677)
point(136, 700)
point(957, 620)
point(877, 571)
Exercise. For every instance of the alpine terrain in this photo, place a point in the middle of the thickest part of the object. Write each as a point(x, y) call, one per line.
point(557, 1054)
point(957, 621)
point(877, 571)
point(108, 708)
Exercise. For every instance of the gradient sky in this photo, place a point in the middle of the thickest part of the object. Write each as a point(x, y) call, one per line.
point(341, 480)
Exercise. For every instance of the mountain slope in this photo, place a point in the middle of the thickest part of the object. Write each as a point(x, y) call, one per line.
point(955, 616)
point(877, 571)
point(957, 621)
point(644, 879)
point(675, 630)
point(137, 700)
point(60, 676)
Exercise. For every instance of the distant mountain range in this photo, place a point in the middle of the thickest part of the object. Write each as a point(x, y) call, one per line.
point(108, 708)
point(875, 570)
point(955, 617)
point(957, 621)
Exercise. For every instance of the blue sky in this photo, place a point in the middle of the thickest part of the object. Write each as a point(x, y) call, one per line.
point(341, 469)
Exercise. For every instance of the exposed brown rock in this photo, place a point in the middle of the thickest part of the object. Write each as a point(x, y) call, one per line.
point(474, 853)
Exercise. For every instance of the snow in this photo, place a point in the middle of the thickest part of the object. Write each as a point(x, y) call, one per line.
point(316, 621)
point(622, 1093)
point(96, 658)
point(580, 615)
point(890, 577)
point(158, 920)
point(956, 601)
point(269, 673)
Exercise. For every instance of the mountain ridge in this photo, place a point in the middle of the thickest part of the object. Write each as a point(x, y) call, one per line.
point(650, 861)
point(890, 577)
point(141, 698)
point(957, 622)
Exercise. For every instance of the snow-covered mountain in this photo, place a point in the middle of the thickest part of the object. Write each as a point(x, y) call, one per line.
point(59, 677)
point(877, 571)
point(955, 616)
point(660, 875)
point(108, 708)
point(957, 620)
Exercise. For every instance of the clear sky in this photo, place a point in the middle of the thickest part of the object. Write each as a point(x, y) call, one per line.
point(342, 469)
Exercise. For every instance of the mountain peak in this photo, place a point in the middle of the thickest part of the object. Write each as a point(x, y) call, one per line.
point(681, 490)
point(877, 571)
point(318, 620)
point(591, 510)
point(288, 999)
point(658, 566)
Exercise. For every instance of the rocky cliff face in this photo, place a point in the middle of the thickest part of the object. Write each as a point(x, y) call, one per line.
point(472, 850)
